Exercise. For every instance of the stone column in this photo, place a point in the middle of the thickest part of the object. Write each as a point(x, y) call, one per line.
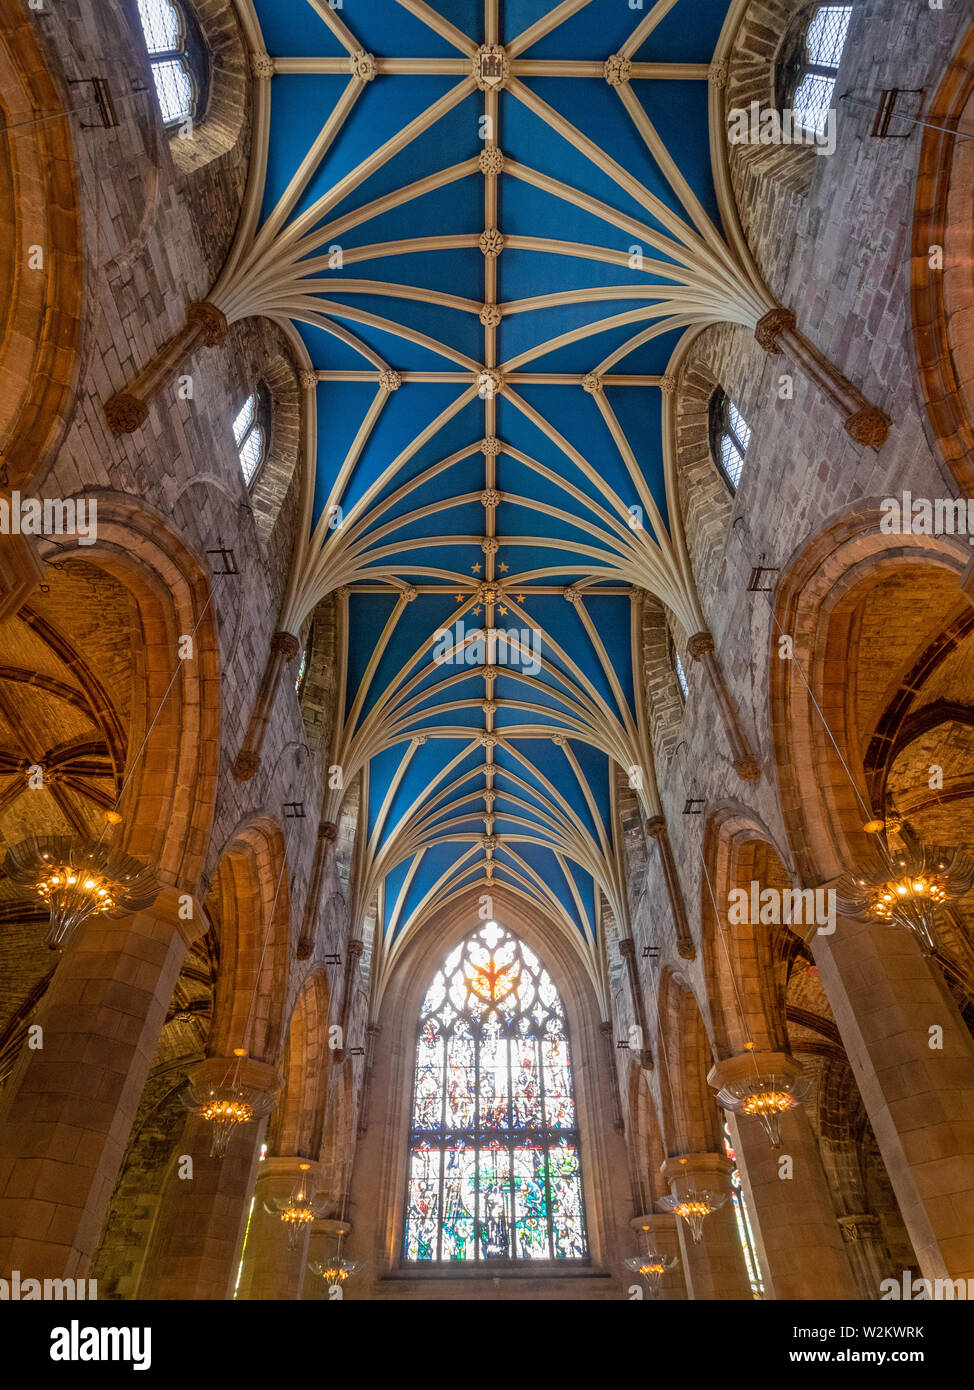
point(353, 954)
point(128, 409)
point(866, 1251)
point(657, 1231)
point(890, 1001)
point(864, 423)
point(276, 1257)
point(714, 1268)
point(284, 648)
point(194, 1251)
point(327, 835)
point(67, 1110)
point(656, 826)
point(627, 949)
point(801, 1247)
point(701, 648)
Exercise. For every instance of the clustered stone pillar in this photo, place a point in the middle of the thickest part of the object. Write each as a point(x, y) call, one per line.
point(196, 1242)
point(68, 1107)
point(701, 648)
point(372, 1031)
point(714, 1267)
point(128, 410)
point(913, 1060)
point(627, 949)
point(864, 423)
point(656, 826)
point(353, 954)
point(284, 648)
point(276, 1256)
point(802, 1249)
point(657, 1234)
point(605, 1029)
point(327, 835)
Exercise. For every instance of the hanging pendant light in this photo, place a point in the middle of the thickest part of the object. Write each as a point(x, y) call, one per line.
point(908, 882)
point(652, 1267)
point(228, 1105)
point(694, 1207)
point(335, 1273)
point(80, 878)
point(299, 1210)
point(766, 1098)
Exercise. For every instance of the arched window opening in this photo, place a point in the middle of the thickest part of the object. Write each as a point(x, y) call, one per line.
point(730, 436)
point(177, 57)
point(809, 63)
point(744, 1231)
point(678, 671)
point(494, 1165)
point(302, 675)
point(250, 434)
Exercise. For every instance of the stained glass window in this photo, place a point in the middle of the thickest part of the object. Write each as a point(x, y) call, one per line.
point(250, 437)
point(744, 1231)
point(730, 437)
point(825, 39)
point(164, 28)
point(681, 675)
point(494, 1165)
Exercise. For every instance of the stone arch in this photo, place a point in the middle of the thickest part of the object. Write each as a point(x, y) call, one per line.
point(298, 1125)
point(40, 318)
point(249, 906)
point(381, 1159)
point(942, 298)
point(820, 603)
point(170, 775)
point(745, 962)
point(691, 1123)
point(645, 1142)
point(759, 173)
point(724, 356)
point(224, 124)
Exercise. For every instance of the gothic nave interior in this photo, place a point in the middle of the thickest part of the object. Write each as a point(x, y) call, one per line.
point(486, 651)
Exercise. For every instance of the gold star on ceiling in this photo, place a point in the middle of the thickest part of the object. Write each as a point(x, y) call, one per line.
point(476, 568)
point(503, 568)
point(503, 611)
point(459, 598)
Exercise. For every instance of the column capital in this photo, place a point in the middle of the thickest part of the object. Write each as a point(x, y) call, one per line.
point(125, 413)
point(657, 827)
point(627, 948)
point(328, 830)
point(213, 1071)
point(210, 321)
point(769, 328)
point(700, 644)
point(868, 426)
point(745, 1066)
point(859, 1226)
point(286, 644)
point(696, 1166)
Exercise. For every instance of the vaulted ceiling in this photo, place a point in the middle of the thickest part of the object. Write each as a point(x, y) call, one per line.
point(491, 228)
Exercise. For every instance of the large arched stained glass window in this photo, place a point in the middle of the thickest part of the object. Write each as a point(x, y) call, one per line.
point(494, 1170)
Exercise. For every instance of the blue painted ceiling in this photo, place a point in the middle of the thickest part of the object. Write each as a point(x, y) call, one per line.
point(470, 779)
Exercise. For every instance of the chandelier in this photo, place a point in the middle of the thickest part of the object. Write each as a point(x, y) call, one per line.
point(908, 883)
point(299, 1210)
point(652, 1267)
point(228, 1105)
point(79, 878)
point(694, 1207)
point(336, 1272)
point(765, 1098)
